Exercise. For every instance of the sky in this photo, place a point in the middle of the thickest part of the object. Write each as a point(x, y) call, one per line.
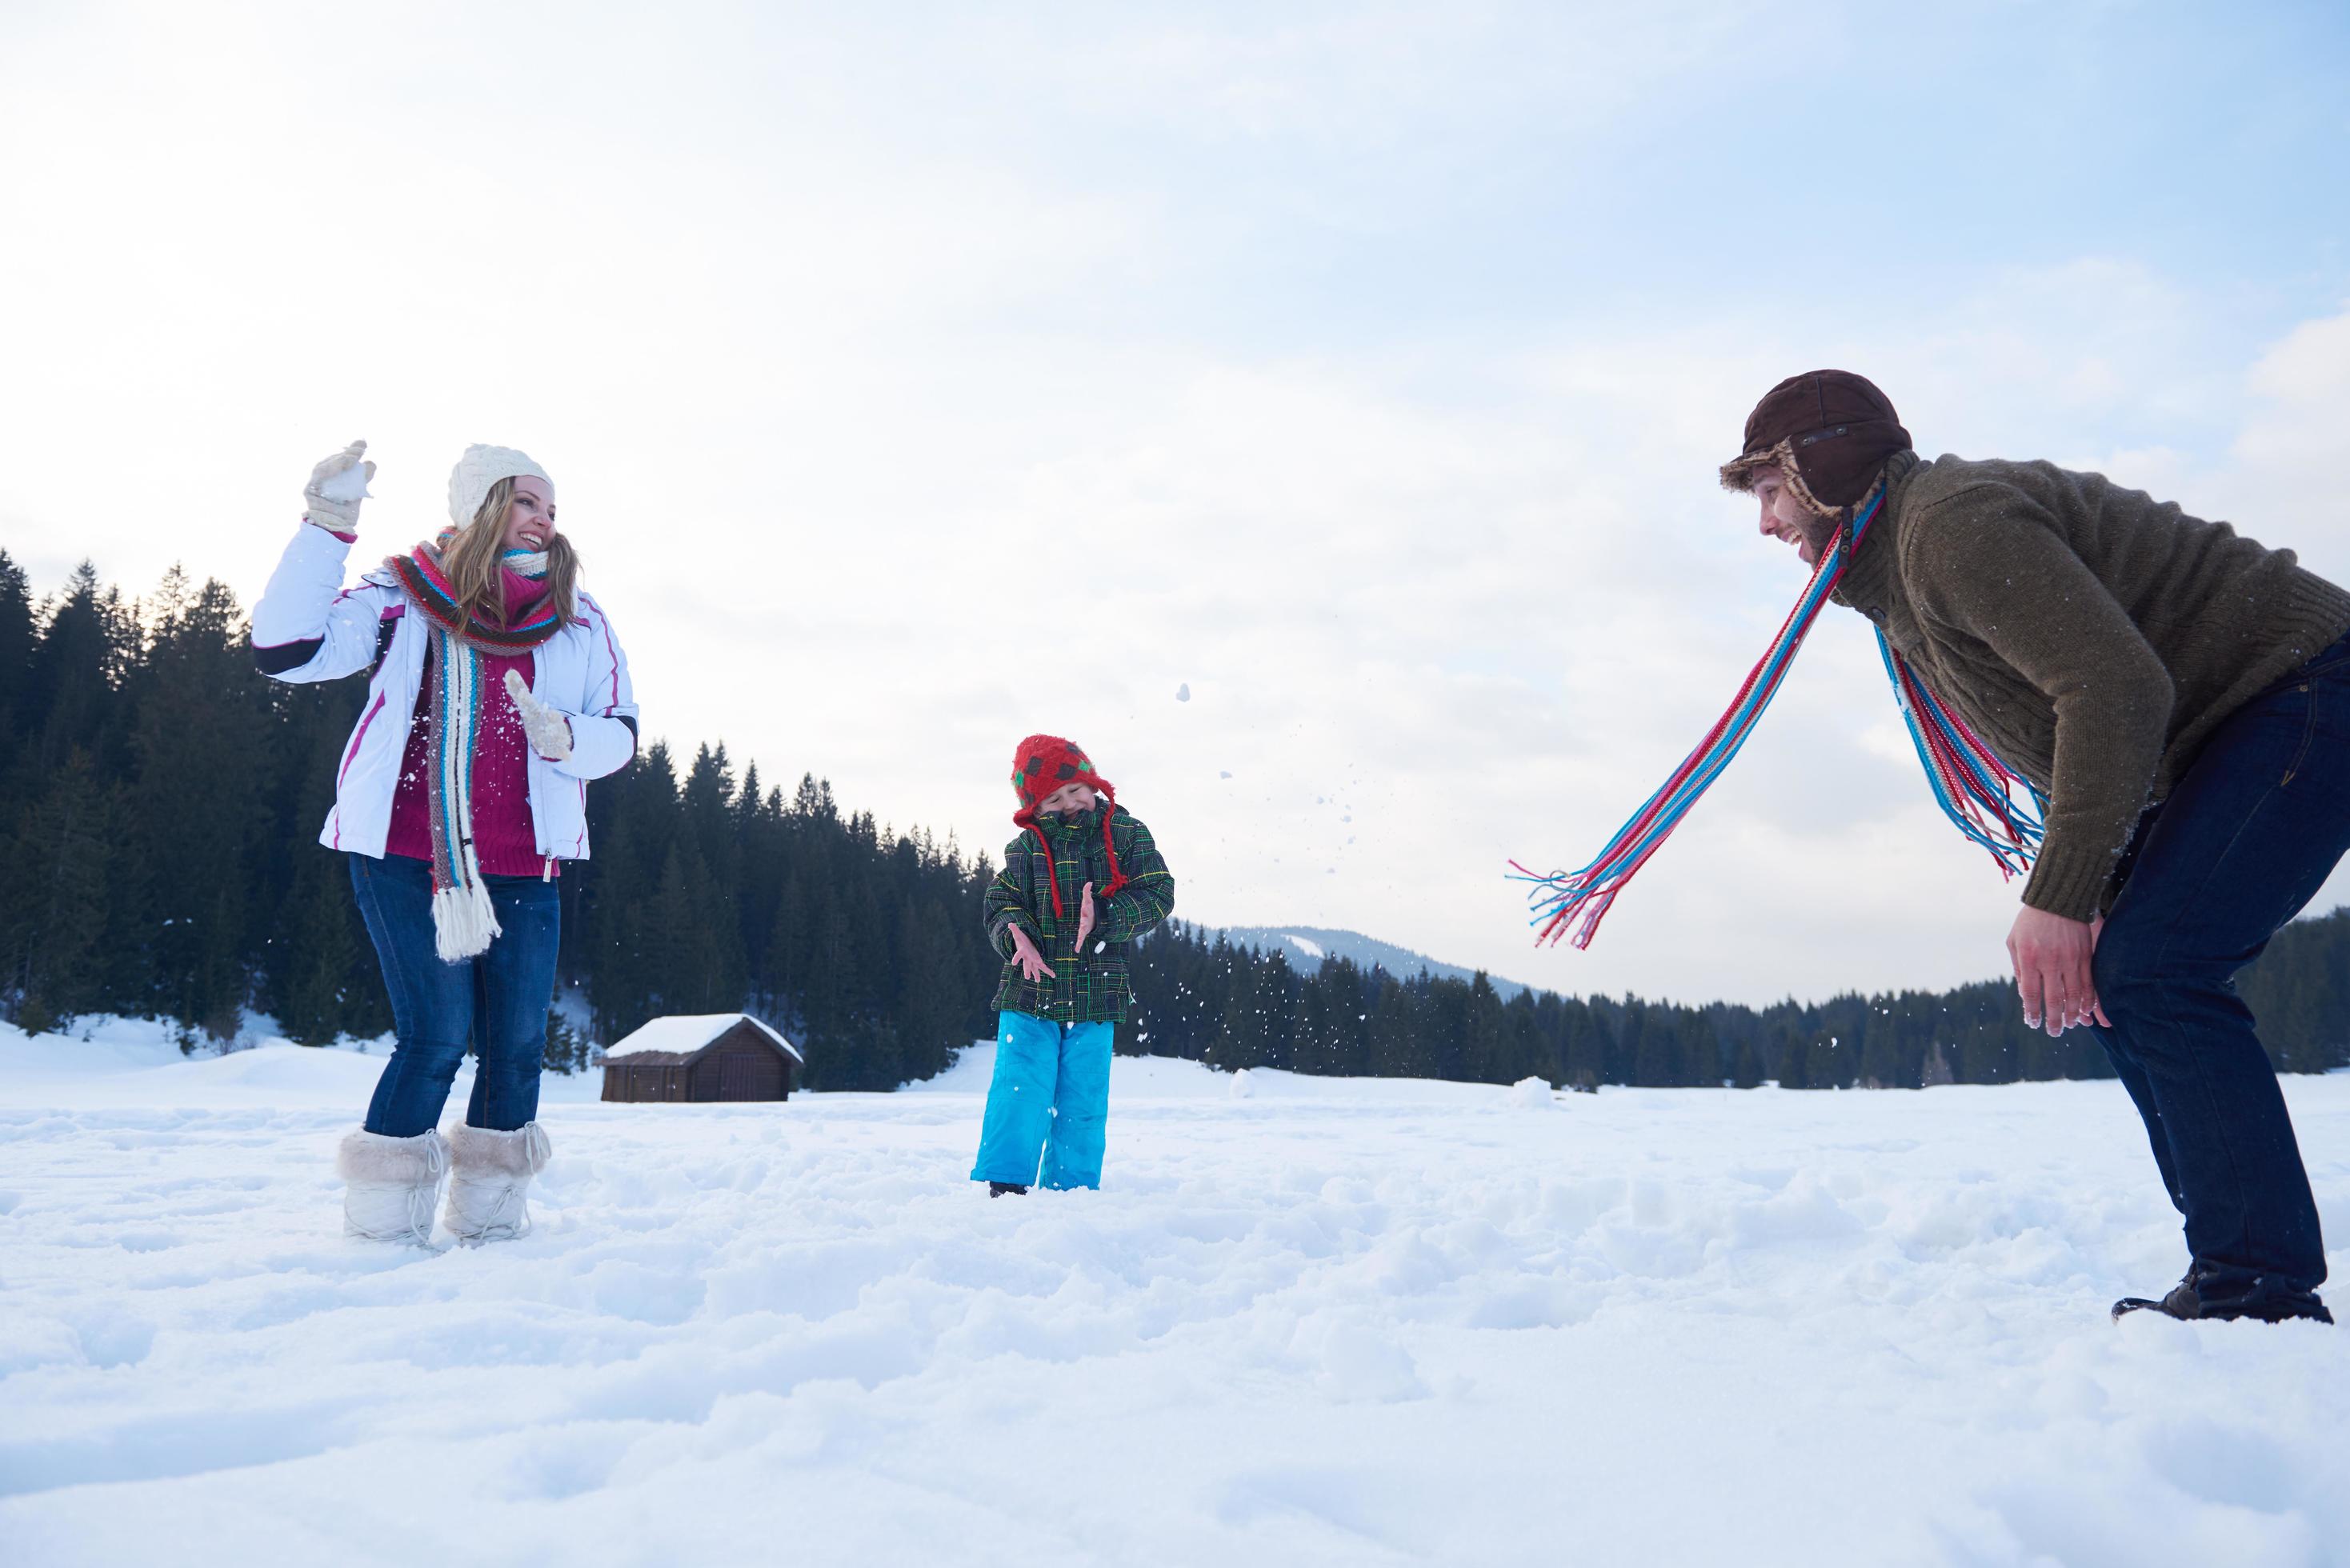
point(916, 377)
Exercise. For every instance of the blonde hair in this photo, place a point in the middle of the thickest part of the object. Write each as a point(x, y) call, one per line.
point(471, 559)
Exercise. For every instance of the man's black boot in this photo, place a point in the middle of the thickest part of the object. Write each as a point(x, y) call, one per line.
point(2186, 1302)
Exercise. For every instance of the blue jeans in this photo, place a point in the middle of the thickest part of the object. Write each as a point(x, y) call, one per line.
point(2243, 842)
point(1050, 1097)
point(498, 1002)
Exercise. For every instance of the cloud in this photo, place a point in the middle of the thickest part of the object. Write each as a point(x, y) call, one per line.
point(2294, 448)
point(910, 390)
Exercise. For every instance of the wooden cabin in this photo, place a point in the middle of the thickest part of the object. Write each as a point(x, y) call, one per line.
point(701, 1057)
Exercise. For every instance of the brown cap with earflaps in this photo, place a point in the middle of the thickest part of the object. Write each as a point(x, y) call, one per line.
point(1830, 431)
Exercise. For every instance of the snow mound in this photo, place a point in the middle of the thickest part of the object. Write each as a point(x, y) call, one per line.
point(94, 1045)
point(1533, 1094)
point(1355, 1362)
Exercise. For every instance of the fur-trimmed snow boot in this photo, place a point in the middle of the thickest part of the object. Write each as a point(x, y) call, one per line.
point(489, 1194)
point(391, 1185)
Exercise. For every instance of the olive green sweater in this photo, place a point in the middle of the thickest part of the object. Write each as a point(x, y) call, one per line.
point(2092, 636)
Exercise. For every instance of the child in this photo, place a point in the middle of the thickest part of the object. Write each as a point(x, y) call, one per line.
point(1078, 886)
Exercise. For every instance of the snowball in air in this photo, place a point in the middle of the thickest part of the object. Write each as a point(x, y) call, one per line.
point(1183, 693)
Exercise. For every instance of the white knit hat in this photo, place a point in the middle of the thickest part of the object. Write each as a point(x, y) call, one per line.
point(481, 467)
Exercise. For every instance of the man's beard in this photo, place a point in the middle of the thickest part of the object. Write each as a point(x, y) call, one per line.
point(1819, 533)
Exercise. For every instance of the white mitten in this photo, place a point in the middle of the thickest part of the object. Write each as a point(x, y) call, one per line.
point(549, 732)
point(337, 487)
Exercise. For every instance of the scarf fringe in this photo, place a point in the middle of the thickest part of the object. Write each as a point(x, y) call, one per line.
point(465, 923)
point(1973, 788)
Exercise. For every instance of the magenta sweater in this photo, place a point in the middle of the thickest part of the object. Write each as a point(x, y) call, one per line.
point(504, 836)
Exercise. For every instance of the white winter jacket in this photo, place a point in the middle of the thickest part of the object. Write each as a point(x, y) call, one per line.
point(309, 627)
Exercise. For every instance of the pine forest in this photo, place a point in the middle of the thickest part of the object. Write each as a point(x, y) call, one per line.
point(159, 810)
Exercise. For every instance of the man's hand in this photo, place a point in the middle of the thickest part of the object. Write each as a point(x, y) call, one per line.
point(1085, 917)
point(1023, 953)
point(2051, 955)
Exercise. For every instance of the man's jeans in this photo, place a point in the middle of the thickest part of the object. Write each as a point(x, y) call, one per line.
point(497, 1001)
point(1049, 1097)
point(2243, 843)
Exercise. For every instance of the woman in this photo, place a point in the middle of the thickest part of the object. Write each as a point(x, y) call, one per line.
point(496, 691)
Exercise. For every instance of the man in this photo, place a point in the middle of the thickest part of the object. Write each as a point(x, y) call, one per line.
point(2180, 699)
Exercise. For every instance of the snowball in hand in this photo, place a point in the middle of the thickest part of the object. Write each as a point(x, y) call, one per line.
point(349, 485)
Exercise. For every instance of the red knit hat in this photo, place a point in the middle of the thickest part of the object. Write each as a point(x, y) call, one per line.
point(1043, 764)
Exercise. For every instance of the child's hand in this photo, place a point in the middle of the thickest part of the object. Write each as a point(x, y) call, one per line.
point(1085, 917)
point(1023, 953)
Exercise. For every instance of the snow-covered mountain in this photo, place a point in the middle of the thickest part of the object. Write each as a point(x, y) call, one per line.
point(1312, 944)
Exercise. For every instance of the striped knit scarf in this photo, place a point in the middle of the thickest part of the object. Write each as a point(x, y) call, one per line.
point(1972, 785)
point(463, 921)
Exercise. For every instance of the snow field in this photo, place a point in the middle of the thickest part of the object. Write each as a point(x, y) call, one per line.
point(1328, 1322)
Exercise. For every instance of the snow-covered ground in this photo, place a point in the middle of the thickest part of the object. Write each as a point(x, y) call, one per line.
point(1311, 1323)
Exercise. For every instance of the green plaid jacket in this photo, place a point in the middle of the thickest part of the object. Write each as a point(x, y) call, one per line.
point(1091, 987)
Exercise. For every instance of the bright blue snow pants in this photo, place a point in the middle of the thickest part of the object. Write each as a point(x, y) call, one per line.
point(1050, 1096)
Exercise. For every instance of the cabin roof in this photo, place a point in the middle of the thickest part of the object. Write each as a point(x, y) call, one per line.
point(680, 1038)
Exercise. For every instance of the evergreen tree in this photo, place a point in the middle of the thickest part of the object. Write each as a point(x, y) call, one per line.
point(1400, 1047)
point(1485, 1053)
point(1591, 1049)
point(1791, 1057)
point(88, 642)
point(18, 638)
point(200, 723)
point(57, 880)
point(1746, 1070)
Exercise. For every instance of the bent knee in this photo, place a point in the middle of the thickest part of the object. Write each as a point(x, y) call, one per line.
point(432, 1055)
point(2148, 980)
point(2128, 962)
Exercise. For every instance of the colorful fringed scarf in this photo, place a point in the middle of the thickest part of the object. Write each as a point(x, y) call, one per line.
point(1973, 788)
point(463, 921)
